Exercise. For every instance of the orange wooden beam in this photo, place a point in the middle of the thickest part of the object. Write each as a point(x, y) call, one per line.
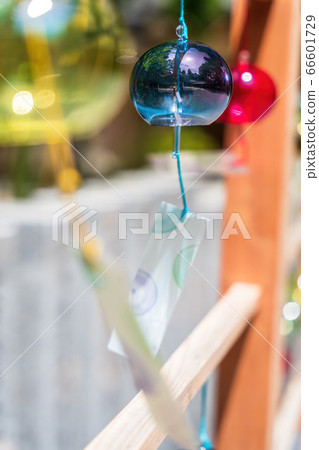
point(249, 378)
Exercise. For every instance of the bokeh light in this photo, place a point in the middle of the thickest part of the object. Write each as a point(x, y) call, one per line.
point(44, 99)
point(22, 102)
point(291, 311)
point(43, 17)
point(286, 327)
point(246, 77)
point(127, 56)
point(37, 8)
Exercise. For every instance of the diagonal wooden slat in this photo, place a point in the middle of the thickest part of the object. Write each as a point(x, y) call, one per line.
point(288, 415)
point(186, 370)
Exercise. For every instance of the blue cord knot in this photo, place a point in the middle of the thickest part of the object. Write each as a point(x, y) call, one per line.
point(174, 155)
point(181, 31)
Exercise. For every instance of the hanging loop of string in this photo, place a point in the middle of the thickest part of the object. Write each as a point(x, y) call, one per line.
point(181, 30)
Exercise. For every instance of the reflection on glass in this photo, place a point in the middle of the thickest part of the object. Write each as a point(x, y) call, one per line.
point(189, 85)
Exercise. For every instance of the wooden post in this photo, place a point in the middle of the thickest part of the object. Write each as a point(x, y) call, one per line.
point(249, 378)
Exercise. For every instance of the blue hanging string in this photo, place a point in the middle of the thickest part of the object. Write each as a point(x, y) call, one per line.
point(176, 155)
point(182, 33)
point(182, 23)
point(203, 435)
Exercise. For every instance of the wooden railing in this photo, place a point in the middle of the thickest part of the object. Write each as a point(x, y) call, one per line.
point(186, 370)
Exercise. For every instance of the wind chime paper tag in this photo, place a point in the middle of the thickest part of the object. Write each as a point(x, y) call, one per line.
point(172, 247)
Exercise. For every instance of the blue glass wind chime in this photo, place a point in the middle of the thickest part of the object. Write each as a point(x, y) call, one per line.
point(182, 83)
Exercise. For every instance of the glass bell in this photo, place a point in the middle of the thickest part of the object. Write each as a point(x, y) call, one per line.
point(181, 83)
point(253, 95)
